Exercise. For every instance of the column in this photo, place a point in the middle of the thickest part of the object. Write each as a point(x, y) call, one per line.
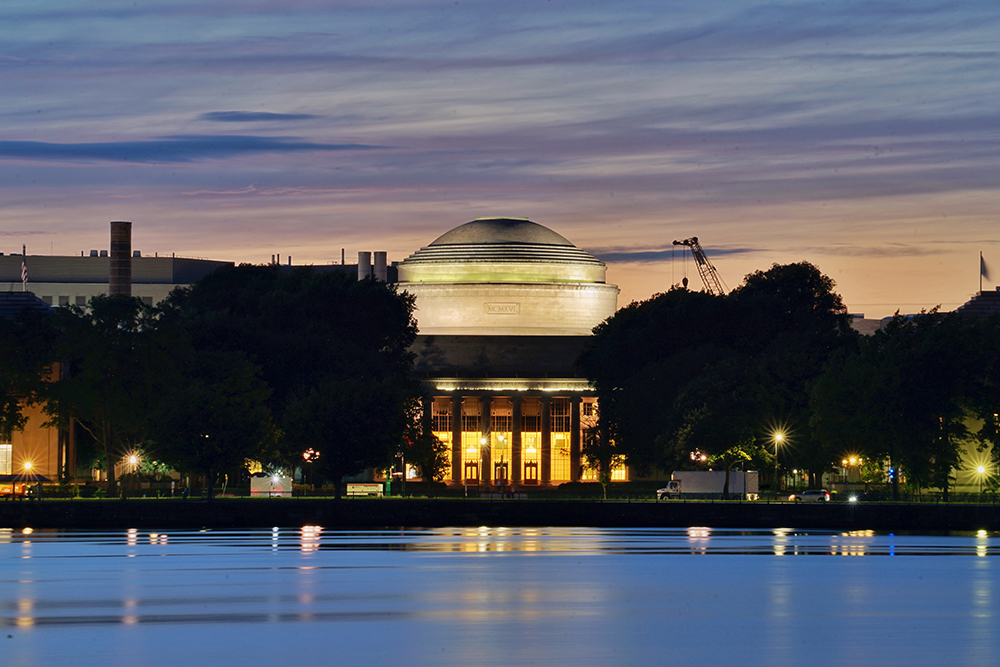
point(485, 452)
point(426, 421)
point(546, 474)
point(515, 441)
point(574, 438)
point(456, 439)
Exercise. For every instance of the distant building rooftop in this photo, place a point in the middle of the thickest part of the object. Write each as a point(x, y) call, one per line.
point(982, 305)
point(12, 303)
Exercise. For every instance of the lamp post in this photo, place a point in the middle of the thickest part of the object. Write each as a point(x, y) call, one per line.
point(980, 471)
point(778, 437)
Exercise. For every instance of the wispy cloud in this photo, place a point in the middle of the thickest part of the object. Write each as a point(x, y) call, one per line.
point(643, 256)
point(187, 148)
point(253, 116)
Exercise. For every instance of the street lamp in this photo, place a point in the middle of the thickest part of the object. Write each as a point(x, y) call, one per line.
point(778, 437)
point(981, 470)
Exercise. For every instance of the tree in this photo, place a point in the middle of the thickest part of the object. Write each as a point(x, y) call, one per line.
point(639, 358)
point(334, 352)
point(217, 418)
point(353, 424)
point(901, 397)
point(27, 343)
point(600, 452)
point(688, 371)
point(121, 359)
point(422, 448)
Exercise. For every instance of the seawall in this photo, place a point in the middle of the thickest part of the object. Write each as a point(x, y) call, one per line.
point(430, 513)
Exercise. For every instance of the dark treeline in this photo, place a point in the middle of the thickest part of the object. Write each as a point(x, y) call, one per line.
point(687, 379)
point(251, 363)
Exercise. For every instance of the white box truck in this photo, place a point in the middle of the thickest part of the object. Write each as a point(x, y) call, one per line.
point(710, 484)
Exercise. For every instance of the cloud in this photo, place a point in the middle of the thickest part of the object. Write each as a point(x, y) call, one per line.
point(884, 251)
point(253, 116)
point(183, 148)
point(643, 256)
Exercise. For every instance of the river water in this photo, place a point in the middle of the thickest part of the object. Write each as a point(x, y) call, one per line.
point(494, 596)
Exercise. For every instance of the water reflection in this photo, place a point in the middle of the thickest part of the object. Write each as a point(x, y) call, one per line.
point(500, 595)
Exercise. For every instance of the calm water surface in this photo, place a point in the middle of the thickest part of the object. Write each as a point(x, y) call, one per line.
point(494, 596)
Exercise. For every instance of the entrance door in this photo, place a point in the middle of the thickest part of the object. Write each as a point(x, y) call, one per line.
point(471, 473)
point(531, 472)
point(500, 474)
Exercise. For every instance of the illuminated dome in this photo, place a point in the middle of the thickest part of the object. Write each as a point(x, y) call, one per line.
point(506, 276)
point(501, 250)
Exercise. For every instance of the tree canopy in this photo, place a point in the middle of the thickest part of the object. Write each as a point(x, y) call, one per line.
point(689, 372)
point(332, 351)
point(252, 362)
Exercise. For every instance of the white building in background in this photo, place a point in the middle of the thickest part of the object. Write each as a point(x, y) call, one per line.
point(72, 280)
point(504, 307)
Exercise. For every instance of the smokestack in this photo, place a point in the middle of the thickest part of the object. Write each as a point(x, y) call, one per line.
point(380, 272)
point(120, 276)
point(364, 265)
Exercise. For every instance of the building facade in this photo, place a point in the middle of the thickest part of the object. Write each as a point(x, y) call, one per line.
point(504, 307)
point(72, 281)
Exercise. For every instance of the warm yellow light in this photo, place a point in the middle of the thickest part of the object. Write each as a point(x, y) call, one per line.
point(27, 465)
point(981, 470)
point(778, 437)
point(853, 460)
point(844, 463)
point(132, 460)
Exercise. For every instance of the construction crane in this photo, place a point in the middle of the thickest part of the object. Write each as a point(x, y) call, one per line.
point(709, 276)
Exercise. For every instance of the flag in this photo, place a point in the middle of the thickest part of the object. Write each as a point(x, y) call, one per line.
point(24, 269)
point(983, 270)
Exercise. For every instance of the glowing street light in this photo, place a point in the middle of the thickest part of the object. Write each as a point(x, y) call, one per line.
point(778, 438)
point(980, 471)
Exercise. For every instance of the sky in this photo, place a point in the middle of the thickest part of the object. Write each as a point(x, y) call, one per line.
point(861, 136)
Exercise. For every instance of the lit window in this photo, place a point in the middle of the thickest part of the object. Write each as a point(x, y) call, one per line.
point(6, 455)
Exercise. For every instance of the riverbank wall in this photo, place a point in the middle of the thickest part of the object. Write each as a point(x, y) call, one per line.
point(414, 513)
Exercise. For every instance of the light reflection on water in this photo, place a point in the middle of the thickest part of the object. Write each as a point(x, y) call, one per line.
point(500, 596)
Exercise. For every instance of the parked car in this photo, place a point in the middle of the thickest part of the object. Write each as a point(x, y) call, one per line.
point(812, 495)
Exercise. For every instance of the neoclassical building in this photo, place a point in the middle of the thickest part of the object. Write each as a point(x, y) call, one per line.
point(504, 307)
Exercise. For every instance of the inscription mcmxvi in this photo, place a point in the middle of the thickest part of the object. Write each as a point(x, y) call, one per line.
point(502, 308)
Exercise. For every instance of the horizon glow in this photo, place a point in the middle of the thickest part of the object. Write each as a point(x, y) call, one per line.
point(860, 137)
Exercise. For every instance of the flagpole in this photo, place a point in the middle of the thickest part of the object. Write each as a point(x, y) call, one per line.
point(24, 268)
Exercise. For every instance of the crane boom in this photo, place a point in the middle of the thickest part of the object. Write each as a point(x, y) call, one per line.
point(709, 276)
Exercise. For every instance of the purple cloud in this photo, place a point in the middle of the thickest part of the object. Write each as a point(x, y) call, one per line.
point(184, 148)
point(253, 116)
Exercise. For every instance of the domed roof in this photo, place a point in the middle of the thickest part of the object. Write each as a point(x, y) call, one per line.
point(506, 276)
point(500, 230)
point(498, 241)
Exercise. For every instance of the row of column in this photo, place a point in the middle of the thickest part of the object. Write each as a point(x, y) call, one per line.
point(514, 471)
